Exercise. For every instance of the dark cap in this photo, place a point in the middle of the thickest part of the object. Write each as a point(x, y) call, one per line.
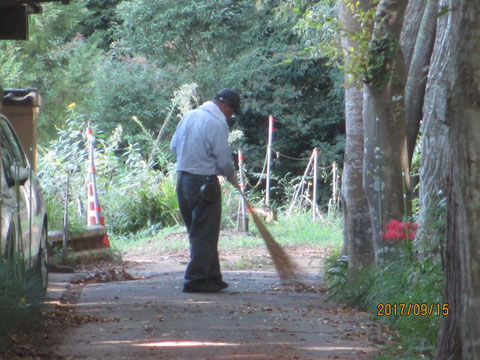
point(231, 98)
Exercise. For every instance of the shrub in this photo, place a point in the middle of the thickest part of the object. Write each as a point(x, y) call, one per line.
point(402, 281)
point(17, 293)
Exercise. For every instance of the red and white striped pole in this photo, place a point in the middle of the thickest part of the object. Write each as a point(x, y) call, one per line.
point(94, 213)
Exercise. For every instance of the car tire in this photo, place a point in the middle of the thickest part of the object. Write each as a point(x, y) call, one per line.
point(41, 266)
point(10, 254)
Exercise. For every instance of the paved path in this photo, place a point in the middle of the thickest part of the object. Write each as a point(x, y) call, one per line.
point(255, 318)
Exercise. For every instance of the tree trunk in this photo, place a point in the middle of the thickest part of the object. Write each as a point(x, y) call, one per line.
point(385, 169)
point(357, 231)
point(358, 228)
point(435, 148)
point(463, 113)
point(417, 75)
point(408, 36)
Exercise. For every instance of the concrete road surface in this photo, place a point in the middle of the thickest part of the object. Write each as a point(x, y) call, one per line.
point(255, 318)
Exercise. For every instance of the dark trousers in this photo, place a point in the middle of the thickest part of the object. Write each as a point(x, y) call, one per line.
point(202, 219)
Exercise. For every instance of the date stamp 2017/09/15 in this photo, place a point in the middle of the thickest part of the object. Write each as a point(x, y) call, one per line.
point(412, 309)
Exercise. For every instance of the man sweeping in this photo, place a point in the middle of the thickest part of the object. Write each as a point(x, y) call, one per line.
point(200, 144)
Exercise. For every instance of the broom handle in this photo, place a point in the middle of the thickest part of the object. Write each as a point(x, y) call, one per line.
point(244, 197)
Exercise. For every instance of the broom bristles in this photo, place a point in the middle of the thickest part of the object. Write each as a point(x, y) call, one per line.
point(286, 268)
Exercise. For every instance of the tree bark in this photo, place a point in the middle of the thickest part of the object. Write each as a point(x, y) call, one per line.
point(409, 33)
point(435, 148)
point(358, 230)
point(385, 168)
point(417, 75)
point(463, 113)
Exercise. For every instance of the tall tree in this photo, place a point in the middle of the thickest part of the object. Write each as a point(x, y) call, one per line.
point(435, 149)
point(417, 74)
point(358, 228)
point(463, 114)
point(386, 168)
point(408, 35)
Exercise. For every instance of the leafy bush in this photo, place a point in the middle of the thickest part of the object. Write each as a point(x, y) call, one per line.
point(17, 293)
point(124, 89)
point(151, 204)
point(402, 281)
point(133, 195)
point(66, 154)
point(55, 210)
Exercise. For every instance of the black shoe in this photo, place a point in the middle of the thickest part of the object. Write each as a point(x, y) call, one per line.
point(221, 283)
point(207, 288)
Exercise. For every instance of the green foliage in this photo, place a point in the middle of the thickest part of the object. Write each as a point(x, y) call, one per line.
point(63, 257)
point(316, 23)
point(16, 296)
point(185, 32)
point(66, 154)
point(53, 61)
point(120, 60)
point(132, 194)
point(151, 204)
point(56, 211)
point(300, 229)
point(402, 281)
point(100, 23)
point(382, 51)
point(242, 45)
point(175, 238)
point(128, 88)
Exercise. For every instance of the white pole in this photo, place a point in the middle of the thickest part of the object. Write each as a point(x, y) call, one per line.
point(300, 186)
point(335, 185)
point(65, 215)
point(315, 179)
point(243, 224)
point(269, 157)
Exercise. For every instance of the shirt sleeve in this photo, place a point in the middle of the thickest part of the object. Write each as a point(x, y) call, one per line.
point(222, 152)
point(174, 142)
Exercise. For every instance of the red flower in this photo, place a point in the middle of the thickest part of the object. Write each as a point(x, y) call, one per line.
point(397, 230)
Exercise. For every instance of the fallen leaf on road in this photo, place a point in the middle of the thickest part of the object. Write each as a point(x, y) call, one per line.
point(104, 276)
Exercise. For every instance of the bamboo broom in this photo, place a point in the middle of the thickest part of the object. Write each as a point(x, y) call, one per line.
point(286, 268)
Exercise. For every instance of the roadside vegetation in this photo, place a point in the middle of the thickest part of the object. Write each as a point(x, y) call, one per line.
point(19, 295)
point(382, 291)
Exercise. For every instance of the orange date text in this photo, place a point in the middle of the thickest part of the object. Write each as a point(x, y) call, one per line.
point(413, 309)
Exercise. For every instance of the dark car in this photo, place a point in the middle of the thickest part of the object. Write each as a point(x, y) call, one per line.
point(23, 238)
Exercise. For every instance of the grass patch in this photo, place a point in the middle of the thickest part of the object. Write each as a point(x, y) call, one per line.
point(299, 229)
point(163, 238)
point(19, 296)
point(402, 281)
point(296, 230)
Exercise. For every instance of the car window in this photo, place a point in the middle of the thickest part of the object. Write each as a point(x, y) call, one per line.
point(12, 152)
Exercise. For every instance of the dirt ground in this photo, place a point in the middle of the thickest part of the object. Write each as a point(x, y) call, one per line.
point(136, 310)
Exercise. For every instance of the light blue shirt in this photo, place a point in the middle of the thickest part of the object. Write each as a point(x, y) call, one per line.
point(200, 142)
